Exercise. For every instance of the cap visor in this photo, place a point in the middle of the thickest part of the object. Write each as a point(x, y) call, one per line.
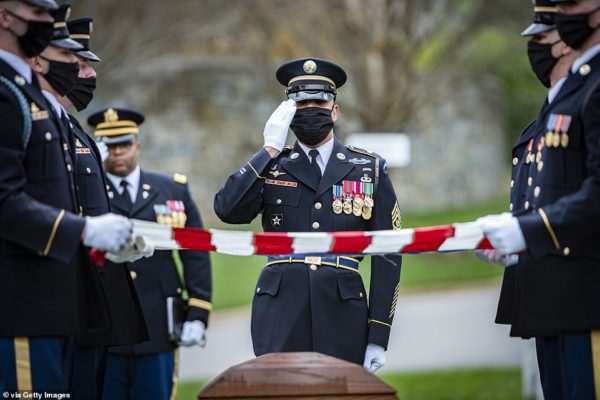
point(534, 29)
point(116, 139)
point(47, 4)
point(88, 55)
point(69, 44)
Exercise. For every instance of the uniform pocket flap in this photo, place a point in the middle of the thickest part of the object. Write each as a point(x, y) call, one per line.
point(282, 196)
point(351, 287)
point(268, 283)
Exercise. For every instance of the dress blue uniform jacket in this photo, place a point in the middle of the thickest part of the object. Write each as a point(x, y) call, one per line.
point(296, 308)
point(46, 286)
point(156, 278)
point(555, 197)
point(126, 317)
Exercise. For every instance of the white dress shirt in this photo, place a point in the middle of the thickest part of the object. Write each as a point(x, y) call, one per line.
point(58, 108)
point(325, 151)
point(553, 92)
point(133, 182)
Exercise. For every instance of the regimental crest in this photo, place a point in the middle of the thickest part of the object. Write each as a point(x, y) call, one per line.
point(310, 67)
point(276, 220)
point(111, 115)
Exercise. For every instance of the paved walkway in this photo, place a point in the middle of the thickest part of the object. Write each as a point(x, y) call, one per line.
point(432, 330)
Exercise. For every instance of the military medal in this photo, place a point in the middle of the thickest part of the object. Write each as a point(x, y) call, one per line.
point(358, 201)
point(347, 205)
point(540, 146)
point(367, 210)
point(550, 126)
point(564, 137)
point(529, 157)
point(337, 196)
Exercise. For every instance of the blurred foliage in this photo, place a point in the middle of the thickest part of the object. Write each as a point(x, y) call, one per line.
point(461, 384)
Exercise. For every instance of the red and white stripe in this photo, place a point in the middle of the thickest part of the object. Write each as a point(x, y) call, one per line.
point(456, 237)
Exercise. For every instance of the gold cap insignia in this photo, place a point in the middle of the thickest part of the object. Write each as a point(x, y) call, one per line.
point(310, 66)
point(111, 115)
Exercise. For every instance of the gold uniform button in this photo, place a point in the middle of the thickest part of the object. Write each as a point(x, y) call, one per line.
point(179, 290)
point(316, 225)
point(318, 205)
point(69, 168)
point(530, 181)
point(536, 191)
point(512, 183)
point(567, 251)
point(257, 290)
point(88, 170)
point(279, 201)
point(313, 267)
point(48, 136)
point(360, 294)
point(515, 161)
point(510, 206)
point(527, 205)
point(540, 166)
point(133, 274)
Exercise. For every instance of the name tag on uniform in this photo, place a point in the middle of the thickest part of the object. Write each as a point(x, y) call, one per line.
point(281, 183)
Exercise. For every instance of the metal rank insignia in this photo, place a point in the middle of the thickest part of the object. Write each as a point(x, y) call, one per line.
point(557, 130)
point(171, 214)
point(337, 199)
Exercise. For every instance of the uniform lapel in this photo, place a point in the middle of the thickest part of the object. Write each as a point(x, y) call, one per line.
point(140, 201)
point(299, 167)
point(337, 167)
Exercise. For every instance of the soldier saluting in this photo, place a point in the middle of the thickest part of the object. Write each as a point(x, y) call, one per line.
point(318, 185)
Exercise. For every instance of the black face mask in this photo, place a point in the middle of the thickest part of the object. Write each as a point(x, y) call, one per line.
point(83, 93)
point(541, 60)
point(312, 124)
point(62, 76)
point(574, 29)
point(36, 38)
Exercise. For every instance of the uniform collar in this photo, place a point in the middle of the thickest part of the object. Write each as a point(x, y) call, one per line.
point(325, 150)
point(553, 92)
point(585, 58)
point(58, 108)
point(17, 63)
point(133, 182)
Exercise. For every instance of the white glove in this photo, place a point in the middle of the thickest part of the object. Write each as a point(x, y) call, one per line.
point(374, 358)
point(135, 250)
point(493, 257)
point(193, 333)
point(276, 128)
point(108, 232)
point(504, 233)
point(103, 148)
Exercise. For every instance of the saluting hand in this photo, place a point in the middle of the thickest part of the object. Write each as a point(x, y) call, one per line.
point(276, 128)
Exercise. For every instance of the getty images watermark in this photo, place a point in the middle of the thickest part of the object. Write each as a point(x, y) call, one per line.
point(35, 395)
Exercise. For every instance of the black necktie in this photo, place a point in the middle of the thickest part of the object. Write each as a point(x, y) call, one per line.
point(313, 162)
point(126, 196)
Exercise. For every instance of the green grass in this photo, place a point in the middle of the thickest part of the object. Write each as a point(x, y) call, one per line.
point(468, 384)
point(234, 278)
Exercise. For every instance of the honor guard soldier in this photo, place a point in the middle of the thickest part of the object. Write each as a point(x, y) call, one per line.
point(551, 293)
point(49, 294)
point(316, 303)
point(127, 321)
point(147, 370)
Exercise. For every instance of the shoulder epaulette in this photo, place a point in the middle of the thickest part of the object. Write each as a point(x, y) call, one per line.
point(363, 151)
point(180, 178)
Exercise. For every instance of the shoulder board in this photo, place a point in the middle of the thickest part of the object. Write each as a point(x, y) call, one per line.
point(365, 152)
point(180, 178)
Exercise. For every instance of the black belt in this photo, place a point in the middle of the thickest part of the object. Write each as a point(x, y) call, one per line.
point(342, 262)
